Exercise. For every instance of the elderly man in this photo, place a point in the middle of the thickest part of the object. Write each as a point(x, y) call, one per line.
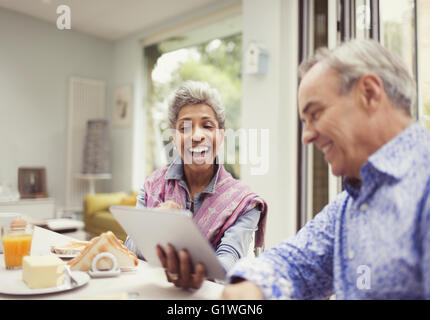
point(373, 240)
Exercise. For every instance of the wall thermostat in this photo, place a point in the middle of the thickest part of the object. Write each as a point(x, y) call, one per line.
point(256, 59)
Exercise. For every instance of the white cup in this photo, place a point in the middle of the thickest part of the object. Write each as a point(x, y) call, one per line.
point(5, 219)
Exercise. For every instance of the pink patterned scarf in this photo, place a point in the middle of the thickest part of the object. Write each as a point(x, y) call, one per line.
point(219, 211)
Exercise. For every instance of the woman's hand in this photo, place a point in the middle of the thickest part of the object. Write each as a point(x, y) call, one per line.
point(169, 204)
point(179, 268)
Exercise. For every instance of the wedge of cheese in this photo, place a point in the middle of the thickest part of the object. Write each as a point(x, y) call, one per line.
point(43, 271)
point(106, 242)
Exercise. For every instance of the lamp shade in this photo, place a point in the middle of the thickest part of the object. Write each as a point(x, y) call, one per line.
point(97, 150)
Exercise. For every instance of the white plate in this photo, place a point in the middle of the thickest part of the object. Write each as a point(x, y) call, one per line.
point(11, 283)
point(64, 224)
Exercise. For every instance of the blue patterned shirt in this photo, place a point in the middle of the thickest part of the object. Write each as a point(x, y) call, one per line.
point(371, 242)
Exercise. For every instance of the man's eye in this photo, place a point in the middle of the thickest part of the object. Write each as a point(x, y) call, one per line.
point(316, 115)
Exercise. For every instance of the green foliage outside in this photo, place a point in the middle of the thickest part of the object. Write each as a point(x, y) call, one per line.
point(221, 67)
point(393, 37)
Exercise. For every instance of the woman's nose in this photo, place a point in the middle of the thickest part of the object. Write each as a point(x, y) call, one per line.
point(198, 134)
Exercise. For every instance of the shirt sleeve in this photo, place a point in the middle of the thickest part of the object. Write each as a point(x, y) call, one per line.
point(141, 202)
point(129, 243)
point(425, 245)
point(301, 267)
point(235, 243)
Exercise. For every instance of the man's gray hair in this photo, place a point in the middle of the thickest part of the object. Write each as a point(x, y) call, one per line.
point(195, 92)
point(354, 58)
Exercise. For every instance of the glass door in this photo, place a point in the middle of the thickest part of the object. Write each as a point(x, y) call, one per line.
point(313, 182)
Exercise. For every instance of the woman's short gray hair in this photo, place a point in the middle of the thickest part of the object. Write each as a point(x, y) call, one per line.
point(195, 92)
point(354, 58)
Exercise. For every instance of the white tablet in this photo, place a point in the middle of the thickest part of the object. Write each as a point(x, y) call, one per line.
point(149, 227)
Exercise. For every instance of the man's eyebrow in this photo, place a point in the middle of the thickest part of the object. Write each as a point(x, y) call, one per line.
point(308, 106)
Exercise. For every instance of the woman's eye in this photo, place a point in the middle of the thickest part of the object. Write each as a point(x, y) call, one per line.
point(183, 128)
point(208, 125)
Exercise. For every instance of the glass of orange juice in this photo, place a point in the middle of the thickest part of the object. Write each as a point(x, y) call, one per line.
point(16, 244)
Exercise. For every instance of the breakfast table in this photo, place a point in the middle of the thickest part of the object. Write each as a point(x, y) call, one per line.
point(145, 282)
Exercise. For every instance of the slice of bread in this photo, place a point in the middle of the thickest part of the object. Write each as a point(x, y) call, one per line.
point(106, 242)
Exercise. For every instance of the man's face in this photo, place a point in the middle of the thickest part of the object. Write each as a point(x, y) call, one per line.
point(333, 122)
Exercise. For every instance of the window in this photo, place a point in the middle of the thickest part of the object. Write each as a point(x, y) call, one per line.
point(313, 183)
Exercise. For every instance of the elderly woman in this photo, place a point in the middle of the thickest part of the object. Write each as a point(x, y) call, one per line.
point(225, 209)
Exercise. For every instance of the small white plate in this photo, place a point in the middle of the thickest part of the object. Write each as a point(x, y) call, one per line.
point(11, 283)
point(104, 274)
point(128, 269)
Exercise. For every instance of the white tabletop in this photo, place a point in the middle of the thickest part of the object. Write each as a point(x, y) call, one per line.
point(146, 282)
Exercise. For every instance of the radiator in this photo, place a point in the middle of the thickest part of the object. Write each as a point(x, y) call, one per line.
point(87, 100)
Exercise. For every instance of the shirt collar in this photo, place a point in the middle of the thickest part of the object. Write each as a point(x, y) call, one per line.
point(394, 159)
point(176, 172)
point(396, 156)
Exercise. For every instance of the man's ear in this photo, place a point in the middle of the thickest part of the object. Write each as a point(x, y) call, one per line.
point(370, 90)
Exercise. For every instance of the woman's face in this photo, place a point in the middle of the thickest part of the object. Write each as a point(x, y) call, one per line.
point(198, 136)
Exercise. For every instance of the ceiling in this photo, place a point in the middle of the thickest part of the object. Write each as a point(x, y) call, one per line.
point(111, 19)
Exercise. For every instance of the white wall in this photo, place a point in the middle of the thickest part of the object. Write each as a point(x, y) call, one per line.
point(269, 101)
point(128, 145)
point(36, 61)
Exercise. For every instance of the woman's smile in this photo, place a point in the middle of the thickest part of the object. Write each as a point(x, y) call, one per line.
point(201, 154)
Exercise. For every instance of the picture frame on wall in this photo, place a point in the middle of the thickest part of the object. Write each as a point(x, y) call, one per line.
point(32, 182)
point(122, 108)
